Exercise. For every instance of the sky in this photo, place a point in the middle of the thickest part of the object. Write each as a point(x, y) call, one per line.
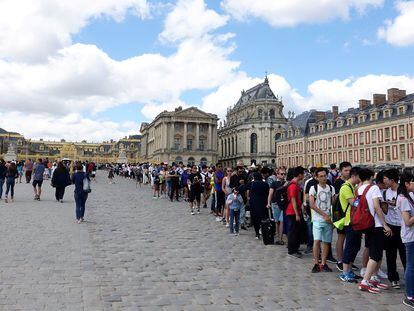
point(96, 69)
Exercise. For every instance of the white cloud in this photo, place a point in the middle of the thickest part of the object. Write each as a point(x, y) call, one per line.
point(400, 31)
point(30, 31)
point(282, 13)
point(150, 111)
point(73, 127)
point(191, 19)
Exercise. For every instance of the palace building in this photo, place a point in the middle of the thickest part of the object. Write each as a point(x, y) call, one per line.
point(103, 152)
point(187, 135)
point(251, 127)
point(377, 132)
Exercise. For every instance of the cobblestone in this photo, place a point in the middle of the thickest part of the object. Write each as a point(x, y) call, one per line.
point(136, 253)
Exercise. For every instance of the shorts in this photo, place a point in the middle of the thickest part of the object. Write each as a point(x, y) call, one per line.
point(374, 240)
point(277, 212)
point(37, 183)
point(156, 186)
point(194, 196)
point(322, 231)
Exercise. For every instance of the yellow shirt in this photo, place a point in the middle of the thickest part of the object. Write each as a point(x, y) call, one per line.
point(346, 192)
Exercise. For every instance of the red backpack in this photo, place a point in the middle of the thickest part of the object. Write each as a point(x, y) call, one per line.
point(361, 218)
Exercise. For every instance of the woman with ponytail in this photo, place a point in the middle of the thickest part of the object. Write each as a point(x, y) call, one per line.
point(405, 203)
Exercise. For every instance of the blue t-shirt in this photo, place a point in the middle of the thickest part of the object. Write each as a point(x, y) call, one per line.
point(39, 171)
point(218, 175)
point(235, 202)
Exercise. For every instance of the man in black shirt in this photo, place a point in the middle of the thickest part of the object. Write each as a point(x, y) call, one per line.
point(194, 184)
point(175, 183)
point(272, 203)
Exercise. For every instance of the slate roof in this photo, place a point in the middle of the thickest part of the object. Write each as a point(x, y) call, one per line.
point(260, 91)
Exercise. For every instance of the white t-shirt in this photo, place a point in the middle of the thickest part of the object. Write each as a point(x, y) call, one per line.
point(393, 217)
point(407, 233)
point(373, 192)
point(323, 201)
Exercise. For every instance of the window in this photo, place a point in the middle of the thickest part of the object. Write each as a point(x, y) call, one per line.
point(41, 147)
point(101, 149)
point(350, 139)
point(339, 157)
point(401, 130)
point(361, 119)
point(19, 142)
point(350, 121)
point(190, 127)
point(374, 155)
point(373, 136)
point(361, 138)
point(387, 133)
point(320, 144)
point(260, 113)
point(350, 156)
point(401, 110)
point(386, 113)
point(312, 129)
point(177, 143)
point(373, 116)
point(177, 126)
point(330, 145)
point(201, 144)
point(191, 161)
point(253, 143)
point(203, 161)
point(402, 152)
point(312, 145)
point(320, 128)
point(339, 141)
point(387, 153)
point(131, 146)
point(340, 123)
point(272, 113)
point(361, 156)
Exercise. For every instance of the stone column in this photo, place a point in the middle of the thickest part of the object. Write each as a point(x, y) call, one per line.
point(171, 135)
point(210, 137)
point(185, 136)
point(197, 136)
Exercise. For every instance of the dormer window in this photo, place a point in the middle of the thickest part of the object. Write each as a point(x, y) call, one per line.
point(386, 113)
point(361, 119)
point(374, 116)
point(19, 142)
point(320, 127)
point(297, 133)
point(312, 129)
point(401, 110)
point(350, 121)
point(339, 123)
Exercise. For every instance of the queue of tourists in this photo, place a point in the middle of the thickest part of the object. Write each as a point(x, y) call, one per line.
point(295, 206)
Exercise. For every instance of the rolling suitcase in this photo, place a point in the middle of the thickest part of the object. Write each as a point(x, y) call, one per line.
point(268, 227)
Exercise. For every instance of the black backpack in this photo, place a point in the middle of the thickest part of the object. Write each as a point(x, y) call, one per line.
point(337, 212)
point(282, 197)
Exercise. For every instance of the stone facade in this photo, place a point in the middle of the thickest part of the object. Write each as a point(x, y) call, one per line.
point(251, 127)
point(376, 133)
point(104, 152)
point(188, 135)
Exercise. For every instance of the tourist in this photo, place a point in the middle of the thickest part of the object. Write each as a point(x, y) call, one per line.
point(3, 171)
point(272, 203)
point(225, 186)
point(258, 193)
point(220, 198)
point(111, 175)
point(39, 170)
point(174, 180)
point(206, 184)
point(234, 203)
point(405, 203)
point(80, 195)
point(60, 180)
point(184, 182)
point(11, 176)
point(333, 174)
point(156, 181)
point(307, 214)
point(19, 166)
point(320, 199)
point(344, 170)
point(194, 186)
point(28, 169)
point(294, 211)
point(374, 236)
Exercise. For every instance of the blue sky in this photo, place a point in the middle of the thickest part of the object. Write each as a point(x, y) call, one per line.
point(112, 65)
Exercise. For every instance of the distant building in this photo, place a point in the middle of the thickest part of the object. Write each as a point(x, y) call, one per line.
point(187, 135)
point(251, 127)
point(375, 133)
point(103, 152)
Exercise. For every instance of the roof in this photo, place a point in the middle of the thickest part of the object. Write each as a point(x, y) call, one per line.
point(260, 91)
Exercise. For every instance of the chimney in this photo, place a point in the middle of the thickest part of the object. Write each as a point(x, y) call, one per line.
point(364, 103)
point(335, 111)
point(394, 95)
point(379, 99)
point(320, 115)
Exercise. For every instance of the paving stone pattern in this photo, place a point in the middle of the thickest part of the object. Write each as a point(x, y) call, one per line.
point(136, 253)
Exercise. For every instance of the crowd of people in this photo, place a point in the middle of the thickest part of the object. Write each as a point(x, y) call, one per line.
point(60, 173)
point(306, 207)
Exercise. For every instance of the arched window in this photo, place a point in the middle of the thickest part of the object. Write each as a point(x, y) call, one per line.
point(260, 113)
point(178, 159)
point(203, 161)
point(232, 146)
point(253, 143)
point(272, 114)
point(191, 161)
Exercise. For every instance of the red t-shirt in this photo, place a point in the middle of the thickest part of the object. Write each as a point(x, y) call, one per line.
point(293, 191)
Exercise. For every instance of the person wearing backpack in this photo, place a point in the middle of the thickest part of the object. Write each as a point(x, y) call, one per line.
point(333, 174)
point(272, 202)
point(320, 200)
point(405, 204)
point(393, 244)
point(371, 220)
point(309, 183)
point(294, 212)
point(80, 195)
point(352, 238)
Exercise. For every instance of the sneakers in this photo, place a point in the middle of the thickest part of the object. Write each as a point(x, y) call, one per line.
point(340, 266)
point(382, 274)
point(325, 268)
point(355, 268)
point(227, 225)
point(362, 272)
point(347, 277)
point(236, 234)
point(198, 212)
point(218, 218)
point(295, 255)
point(192, 212)
point(376, 282)
point(409, 303)
point(243, 227)
point(368, 288)
point(331, 259)
point(316, 268)
point(395, 285)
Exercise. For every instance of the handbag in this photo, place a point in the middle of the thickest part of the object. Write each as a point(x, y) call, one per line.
point(87, 185)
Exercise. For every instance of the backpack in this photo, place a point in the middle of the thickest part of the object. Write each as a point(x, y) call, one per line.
point(361, 218)
point(338, 214)
point(87, 185)
point(282, 197)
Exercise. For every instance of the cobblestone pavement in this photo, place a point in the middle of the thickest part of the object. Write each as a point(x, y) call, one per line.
point(136, 253)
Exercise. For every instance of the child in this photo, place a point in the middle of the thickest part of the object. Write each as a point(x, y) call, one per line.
point(234, 203)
